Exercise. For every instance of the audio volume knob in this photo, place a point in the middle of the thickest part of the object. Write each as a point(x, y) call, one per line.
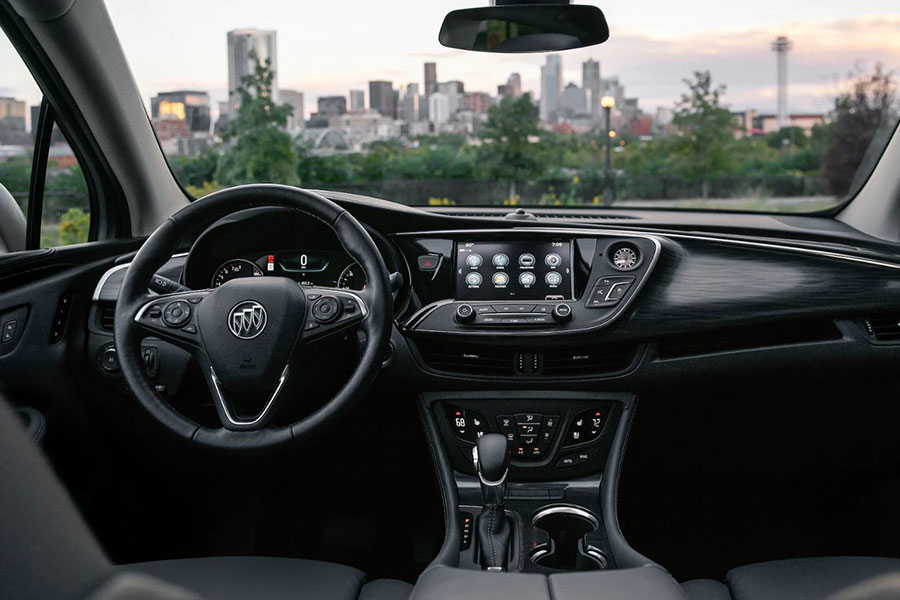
point(465, 313)
point(562, 313)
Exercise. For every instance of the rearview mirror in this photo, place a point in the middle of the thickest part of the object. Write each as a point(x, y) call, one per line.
point(519, 28)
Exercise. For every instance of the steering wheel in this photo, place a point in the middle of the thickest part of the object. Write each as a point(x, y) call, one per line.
point(245, 333)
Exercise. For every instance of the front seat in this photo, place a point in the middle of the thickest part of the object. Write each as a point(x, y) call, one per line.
point(48, 552)
point(829, 578)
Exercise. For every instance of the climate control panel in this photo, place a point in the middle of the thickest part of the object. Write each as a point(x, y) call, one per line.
point(565, 435)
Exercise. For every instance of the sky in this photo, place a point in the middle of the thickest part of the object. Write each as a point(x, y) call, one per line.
point(327, 48)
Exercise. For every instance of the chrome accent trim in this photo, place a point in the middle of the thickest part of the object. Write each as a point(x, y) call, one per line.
point(477, 464)
point(175, 296)
point(663, 234)
point(112, 270)
point(105, 278)
point(266, 408)
point(566, 509)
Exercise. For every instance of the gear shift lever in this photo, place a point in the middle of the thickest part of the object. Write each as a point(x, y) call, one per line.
point(491, 460)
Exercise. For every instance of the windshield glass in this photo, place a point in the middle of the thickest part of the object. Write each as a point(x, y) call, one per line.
point(775, 106)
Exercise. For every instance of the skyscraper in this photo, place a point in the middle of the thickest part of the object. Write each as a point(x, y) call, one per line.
point(296, 100)
point(357, 100)
point(590, 81)
point(430, 78)
point(240, 43)
point(189, 106)
point(514, 85)
point(551, 87)
point(381, 98)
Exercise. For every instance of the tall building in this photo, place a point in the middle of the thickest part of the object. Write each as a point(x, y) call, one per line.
point(590, 81)
point(551, 87)
point(573, 101)
point(297, 102)
point(438, 108)
point(514, 85)
point(477, 102)
point(782, 45)
point(410, 110)
point(240, 43)
point(186, 105)
point(430, 78)
point(332, 106)
point(357, 100)
point(12, 122)
point(381, 98)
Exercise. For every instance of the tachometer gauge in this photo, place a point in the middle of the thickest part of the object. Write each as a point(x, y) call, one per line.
point(352, 278)
point(235, 269)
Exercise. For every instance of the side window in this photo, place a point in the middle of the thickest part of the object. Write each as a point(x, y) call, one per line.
point(59, 201)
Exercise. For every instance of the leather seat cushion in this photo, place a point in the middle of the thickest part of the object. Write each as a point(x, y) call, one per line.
point(706, 589)
point(259, 578)
point(814, 578)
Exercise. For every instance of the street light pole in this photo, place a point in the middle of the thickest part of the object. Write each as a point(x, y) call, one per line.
point(608, 102)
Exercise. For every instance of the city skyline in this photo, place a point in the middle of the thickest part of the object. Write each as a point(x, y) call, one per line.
point(650, 59)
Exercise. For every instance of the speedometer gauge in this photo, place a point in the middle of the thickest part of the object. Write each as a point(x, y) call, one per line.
point(352, 278)
point(235, 269)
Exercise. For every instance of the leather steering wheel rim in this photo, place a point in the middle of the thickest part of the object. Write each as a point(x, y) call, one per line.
point(159, 247)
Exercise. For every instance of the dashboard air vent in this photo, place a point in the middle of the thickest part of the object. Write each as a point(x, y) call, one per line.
point(885, 328)
point(498, 361)
point(108, 317)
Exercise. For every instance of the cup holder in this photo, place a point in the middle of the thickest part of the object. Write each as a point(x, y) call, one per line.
point(563, 546)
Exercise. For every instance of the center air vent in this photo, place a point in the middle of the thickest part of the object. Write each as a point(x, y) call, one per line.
point(499, 361)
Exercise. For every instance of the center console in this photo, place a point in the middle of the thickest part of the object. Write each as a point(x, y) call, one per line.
point(558, 493)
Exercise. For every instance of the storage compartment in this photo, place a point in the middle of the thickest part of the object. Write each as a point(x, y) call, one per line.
point(567, 550)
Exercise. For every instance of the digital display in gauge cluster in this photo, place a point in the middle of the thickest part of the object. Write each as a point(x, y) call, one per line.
point(526, 270)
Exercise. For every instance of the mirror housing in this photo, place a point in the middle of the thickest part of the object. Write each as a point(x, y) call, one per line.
point(524, 27)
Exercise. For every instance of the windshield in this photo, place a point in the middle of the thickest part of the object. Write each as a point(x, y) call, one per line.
point(775, 106)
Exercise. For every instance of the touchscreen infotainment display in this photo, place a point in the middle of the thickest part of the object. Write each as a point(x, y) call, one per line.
point(510, 271)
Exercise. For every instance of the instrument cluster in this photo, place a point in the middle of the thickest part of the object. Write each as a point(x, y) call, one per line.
point(308, 267)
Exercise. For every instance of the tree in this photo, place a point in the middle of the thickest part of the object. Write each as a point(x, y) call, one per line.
point(866, 111)
point(262, 151)
point(701, 152)
point(508, 150)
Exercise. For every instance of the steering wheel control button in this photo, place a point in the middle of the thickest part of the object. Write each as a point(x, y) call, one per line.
point(585, 427)
point(189, 329)
point(429, 262)
point(326, 309)
point(562, 313)
point(553, 278)
point(465, 313)
point(349, 306)
point(310, 326)
point(177, 313)
point(474, 260)
point(474, 279)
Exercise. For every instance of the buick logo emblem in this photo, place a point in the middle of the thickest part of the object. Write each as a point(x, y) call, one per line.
point(247, 320)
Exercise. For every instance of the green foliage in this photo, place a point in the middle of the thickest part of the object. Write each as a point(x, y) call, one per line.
point(195, 170)
point(868, 110)
point(262, 151)
point(509, 151)
point(702, 150)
